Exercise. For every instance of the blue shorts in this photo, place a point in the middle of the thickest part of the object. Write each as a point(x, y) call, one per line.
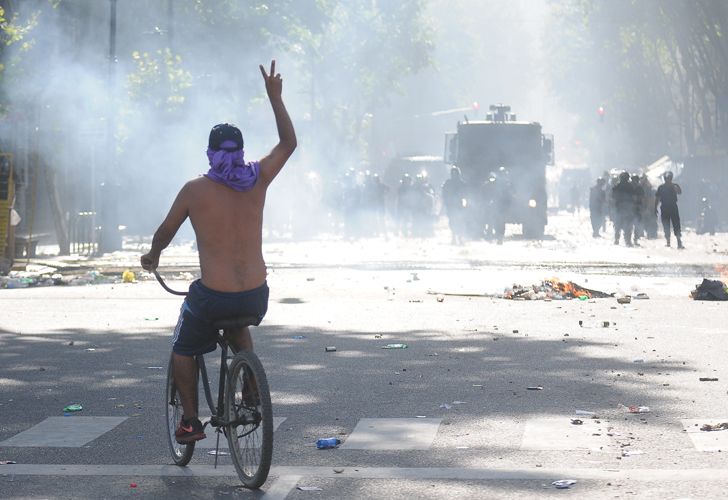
point(194, 333)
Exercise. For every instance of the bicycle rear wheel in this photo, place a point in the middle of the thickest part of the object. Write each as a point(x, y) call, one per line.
point(250, 415)
point(181, 453)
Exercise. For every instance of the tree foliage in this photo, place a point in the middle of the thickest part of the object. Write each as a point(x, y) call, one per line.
point(659, 67)
point(159, 80)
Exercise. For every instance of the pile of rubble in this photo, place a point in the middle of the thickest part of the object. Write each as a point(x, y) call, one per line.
point(552, 289)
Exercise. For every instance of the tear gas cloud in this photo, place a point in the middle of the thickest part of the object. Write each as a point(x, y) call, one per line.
point(178, 74)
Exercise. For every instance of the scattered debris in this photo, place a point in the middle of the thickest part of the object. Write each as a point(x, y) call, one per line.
point(39, 276)
point(585, 413)
point(710, 290)
point(634, 408)
point(708, 379)
point(339, 470)
point(723, 426)
point(330, 348)
point(298, 337)
point(308, 488)
point(624, 300)
point(562, 484)
point(155, 367)
point(440, 298)
point(641, 296)
point(535, 388)
point(219, 453)
point(73, 407)
point(576, 421)
point(395, 346)
point(8, 462)
point(630, 453)
point(638, 360)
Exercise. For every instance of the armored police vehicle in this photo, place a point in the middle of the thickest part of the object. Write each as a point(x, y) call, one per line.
point(504, 160)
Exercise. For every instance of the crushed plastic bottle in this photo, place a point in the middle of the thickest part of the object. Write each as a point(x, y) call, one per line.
point(327, 443)
point(73, 407)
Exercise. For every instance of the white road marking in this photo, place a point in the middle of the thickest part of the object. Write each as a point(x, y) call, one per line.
point(706, 440)
point(66, 432)
point(211, 439)
point(558, 433)
point(350, 472)
point(280, 488)
point(392, 434)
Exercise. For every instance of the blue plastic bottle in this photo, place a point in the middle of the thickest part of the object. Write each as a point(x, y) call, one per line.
point(323, 444)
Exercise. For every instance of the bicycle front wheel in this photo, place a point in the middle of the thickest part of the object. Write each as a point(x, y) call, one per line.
point(181, 453)
point(249, 414)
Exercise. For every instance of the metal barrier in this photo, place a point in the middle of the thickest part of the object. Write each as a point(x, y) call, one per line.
point(84, 233)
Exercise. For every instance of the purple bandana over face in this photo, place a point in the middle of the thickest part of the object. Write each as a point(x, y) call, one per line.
point(228, 166)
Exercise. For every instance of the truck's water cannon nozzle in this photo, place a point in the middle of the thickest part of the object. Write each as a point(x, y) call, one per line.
point(500, 113)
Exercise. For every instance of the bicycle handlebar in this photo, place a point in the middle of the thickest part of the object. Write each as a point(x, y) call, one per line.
point(164, 285)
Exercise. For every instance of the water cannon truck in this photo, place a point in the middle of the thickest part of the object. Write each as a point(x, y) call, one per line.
point(515, 154)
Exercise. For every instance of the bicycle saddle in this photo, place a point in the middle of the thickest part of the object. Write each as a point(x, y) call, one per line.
point(237, 322)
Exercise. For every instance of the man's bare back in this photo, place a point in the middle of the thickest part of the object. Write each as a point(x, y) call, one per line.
point(228, 226)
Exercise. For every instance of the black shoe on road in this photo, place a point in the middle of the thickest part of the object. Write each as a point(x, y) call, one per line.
point(189, 431)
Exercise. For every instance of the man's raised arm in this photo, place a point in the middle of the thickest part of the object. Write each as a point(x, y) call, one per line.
point(272, 164)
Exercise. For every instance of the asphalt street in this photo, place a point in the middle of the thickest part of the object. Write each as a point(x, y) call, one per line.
point(481, 404)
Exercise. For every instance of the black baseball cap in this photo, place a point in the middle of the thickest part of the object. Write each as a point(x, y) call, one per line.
point(225, 132)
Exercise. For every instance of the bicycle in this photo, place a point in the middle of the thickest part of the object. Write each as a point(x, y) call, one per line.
point(243, 412)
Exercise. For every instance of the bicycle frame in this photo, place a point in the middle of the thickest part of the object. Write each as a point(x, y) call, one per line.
point(216, 419)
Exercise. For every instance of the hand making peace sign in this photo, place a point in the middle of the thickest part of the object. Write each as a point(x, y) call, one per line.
point(273, 81)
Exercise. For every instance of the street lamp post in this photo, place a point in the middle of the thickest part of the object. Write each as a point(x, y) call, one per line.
point(109, 217)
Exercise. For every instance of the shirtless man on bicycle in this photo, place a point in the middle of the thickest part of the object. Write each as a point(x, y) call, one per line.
point(225, 207)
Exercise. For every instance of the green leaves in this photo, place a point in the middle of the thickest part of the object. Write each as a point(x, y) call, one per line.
point(159, 79)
